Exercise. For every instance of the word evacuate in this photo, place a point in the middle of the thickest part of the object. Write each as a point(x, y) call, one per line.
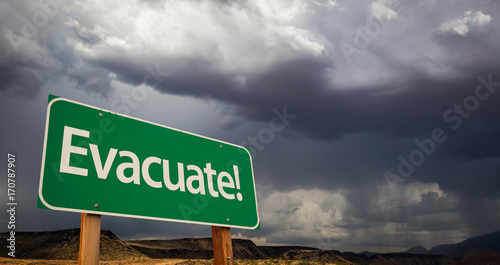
point(224, 180)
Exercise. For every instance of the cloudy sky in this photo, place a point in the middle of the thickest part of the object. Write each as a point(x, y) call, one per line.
point(390, 108)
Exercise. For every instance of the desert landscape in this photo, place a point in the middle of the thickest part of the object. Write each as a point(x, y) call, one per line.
point(61, 247)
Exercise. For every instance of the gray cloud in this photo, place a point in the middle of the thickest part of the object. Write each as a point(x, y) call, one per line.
point(413, 67)
point(306, 84)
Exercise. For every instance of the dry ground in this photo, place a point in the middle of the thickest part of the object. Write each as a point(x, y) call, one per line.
point(14, 261)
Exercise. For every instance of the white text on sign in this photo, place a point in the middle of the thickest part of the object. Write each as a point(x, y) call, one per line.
point(225, 181)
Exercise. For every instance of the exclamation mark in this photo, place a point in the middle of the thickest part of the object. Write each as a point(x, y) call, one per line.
point(237, 179)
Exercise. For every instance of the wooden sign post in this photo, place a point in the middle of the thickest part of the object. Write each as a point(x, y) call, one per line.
point(223, 247)
point(90, 237)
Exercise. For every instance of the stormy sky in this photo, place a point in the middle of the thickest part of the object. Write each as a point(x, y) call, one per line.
point(389, 108)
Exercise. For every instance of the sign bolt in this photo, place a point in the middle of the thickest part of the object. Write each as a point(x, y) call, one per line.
point(96, 205)
point(227, 220)
point(220, 146)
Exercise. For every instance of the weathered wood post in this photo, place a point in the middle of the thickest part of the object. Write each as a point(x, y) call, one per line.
point(223, 247)
point(90, 238)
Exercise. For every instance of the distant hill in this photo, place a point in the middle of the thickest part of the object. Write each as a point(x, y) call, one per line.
point(417, 250)
point(277, 251)
point(479, 257)
point(368, 253)
point(201, 248)
point(194, 248)
point(486, 242)
point(351, 256)
point(65, 244)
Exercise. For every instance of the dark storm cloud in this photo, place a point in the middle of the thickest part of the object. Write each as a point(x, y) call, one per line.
point(411, 103)
point(411, 110)
point(25, 64)
point(431, 65)
point(34, 50)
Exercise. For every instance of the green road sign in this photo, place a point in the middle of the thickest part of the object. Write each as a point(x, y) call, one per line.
point(101, 162)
